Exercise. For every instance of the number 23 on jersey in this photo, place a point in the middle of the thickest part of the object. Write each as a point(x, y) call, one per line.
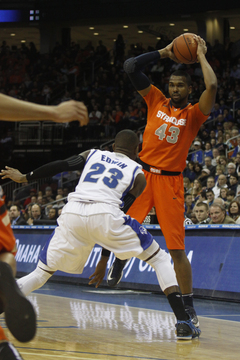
point(98, 169)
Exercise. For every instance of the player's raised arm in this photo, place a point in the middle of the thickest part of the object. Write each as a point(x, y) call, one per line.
point(18, 110)
point(133, 67)
point(55, 167)
point(207, 99)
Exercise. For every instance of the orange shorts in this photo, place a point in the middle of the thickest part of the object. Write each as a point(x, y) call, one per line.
point(166, 193)
point(7, 238)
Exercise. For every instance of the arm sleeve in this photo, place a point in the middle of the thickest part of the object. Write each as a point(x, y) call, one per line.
point(133, 68)
point(73, 163)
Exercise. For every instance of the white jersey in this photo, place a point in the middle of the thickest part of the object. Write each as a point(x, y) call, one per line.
point(107, 177)
point(93, 216)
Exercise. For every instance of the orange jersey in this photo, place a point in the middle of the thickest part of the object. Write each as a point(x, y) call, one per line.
point(169, 132)
point(7, 239)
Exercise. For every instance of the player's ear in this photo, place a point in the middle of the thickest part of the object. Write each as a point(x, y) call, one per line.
point(136, 150)
point(113, 146)
point(190, 89)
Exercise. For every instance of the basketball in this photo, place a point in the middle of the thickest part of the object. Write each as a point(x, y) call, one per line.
point(185, 48)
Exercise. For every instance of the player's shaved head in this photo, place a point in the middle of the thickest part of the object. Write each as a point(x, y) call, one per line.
point(126, 142)
point(126, 139)
point(183, 74)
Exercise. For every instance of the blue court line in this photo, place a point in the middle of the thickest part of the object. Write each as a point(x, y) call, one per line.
point(91, 353)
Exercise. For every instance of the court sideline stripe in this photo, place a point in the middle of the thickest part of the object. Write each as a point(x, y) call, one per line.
point(82, 352)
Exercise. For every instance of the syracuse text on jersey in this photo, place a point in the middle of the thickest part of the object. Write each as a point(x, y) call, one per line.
point(171, 119)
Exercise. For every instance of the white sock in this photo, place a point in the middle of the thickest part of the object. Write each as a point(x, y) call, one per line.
point(33, 281)
point(161, 264)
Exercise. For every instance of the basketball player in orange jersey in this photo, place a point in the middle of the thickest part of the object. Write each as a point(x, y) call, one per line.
point(19, 313)
point(172, 124)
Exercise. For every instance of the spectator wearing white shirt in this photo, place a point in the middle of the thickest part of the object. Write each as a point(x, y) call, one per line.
point(215, 153)
point(222, 183)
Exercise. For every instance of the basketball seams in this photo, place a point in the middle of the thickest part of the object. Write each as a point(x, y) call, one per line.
point(184, 50)
point(176, 47)
point(188, 47)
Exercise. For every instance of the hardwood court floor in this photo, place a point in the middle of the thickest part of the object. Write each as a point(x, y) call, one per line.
point(81, 323)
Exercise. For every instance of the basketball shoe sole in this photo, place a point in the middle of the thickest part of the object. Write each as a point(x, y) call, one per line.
point(20, 316)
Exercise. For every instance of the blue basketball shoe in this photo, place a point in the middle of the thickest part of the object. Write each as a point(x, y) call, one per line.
point(185, 330)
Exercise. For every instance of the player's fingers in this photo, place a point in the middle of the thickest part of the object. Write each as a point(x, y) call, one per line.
point(82, 118)
point(198, 39)
point(91, 282)
point(99, 282)
point(83, 114)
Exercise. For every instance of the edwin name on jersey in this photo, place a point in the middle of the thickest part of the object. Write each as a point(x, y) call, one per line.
point(112, 161)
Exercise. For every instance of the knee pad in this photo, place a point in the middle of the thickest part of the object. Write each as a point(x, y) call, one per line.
point(149, 251)
point(164, 269)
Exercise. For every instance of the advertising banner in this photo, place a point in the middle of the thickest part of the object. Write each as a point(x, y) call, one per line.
point(212, 251)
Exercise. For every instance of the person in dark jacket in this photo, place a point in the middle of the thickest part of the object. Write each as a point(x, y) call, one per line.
point(16, 216)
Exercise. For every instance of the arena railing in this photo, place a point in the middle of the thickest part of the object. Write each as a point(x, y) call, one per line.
point(234, 107)
point(39, 133)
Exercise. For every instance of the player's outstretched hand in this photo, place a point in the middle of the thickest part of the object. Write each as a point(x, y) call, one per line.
point(71, 110)
point(13, 174)
point(202, 47)
point(99, 273)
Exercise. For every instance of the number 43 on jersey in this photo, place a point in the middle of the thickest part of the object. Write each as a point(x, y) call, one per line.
point(173, 133)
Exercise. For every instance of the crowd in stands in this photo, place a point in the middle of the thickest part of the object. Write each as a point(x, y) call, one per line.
point(39, 207)
point(96, 76)
point(214, 190)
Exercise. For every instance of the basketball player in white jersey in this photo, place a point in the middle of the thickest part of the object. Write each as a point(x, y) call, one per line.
point(95, 213)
